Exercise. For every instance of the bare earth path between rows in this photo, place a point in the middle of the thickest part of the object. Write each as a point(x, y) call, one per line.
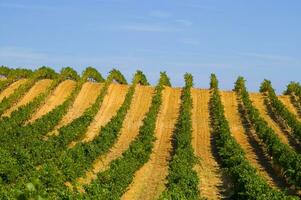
point(258, 101)
point(11, 88)
point(38, 88)
point(130, 129)
point(210, 175)
point(286, 100)
point(58, 96)
point(250, 147)
point(85, 98)
point(110, 105)
point(149, 180)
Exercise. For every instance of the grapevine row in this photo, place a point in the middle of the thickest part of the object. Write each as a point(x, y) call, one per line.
point(280, 109)
point(247, 183)
point(48, 148)
point(138, 153)
point(182, 179)
point(281, 154)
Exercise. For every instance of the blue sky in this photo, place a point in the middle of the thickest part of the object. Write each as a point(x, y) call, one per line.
point(256, 39)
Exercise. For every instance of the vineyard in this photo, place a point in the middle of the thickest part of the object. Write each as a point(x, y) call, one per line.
point(87, 136)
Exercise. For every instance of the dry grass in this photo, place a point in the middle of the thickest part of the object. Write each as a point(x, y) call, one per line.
point(247, 140)
point(286, 100)
point(111, 103)
point(130, 129)
point(149, 180)
point(211, 179)
point(258, 102)
point(11, 88)
point(38, 88)
point(59, 95)
point(84, 100)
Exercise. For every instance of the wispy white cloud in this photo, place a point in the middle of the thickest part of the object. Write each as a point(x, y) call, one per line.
point(203, 6)
point(18, 53)
point(160, 14)
point(148, 28)
point(23, 6)
point(268, 56)
point(19, 56)
point(184, 22)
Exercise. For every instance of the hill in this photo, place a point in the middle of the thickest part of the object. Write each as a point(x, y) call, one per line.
point(70, 136)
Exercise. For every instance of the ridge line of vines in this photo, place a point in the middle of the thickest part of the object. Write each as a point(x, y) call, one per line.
point(282, 155)
point(182, 180)
point(280, 109)
point(19, 154)
point(8, 125)
point(248, 184)
point(123, 168)
point(75, 129)
point(40, 73)
point(69, 132)
point(12, 75)
point(74, 162)
point(41, 173)
point(18, 163)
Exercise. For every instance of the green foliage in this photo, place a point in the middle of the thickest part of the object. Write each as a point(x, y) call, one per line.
point(188, 80)
point(69, 73)
point(41, 73)
point(138, 153)
point(117, 76)
point(293, 88)
point(53, 155)
point(266, 86)
point(239, 84)
point(182, 179)
point(164, 79)
point(20, 73)
point(15, 73)
point(12, 75)
point(281, 110)
point(8, 170)
point(32, 191)
point(84, 154)
point(140, 78)
point(32, 168)
point(44, 73)
point(91, 73)
point(283, 155)
point(247, 183)
point(30, 136)
point(4, 71)
point(213, 81)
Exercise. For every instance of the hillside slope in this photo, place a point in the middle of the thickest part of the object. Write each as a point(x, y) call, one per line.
point(11, 88)
point(58, 96)
point(38, 88)
point(130, 129)
point(209, 172)
point(246, 139)
point(149, 181)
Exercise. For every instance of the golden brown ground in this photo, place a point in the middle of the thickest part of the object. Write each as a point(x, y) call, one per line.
point(11, 88)
point(246, 141)
point(59, 95)
point(149, 180)
point(86, 97)
point(210, 175)
point(130, 129)
point(111, 103)
point(38, 88)
point(258, 101)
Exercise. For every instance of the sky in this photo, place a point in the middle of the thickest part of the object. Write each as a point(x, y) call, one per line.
point(256, 39)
